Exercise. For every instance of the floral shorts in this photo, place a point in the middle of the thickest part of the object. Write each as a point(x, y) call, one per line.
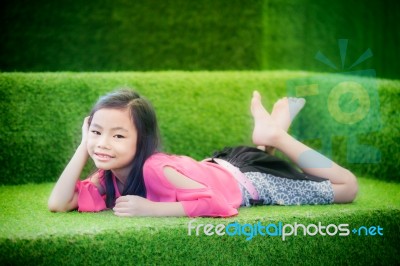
point(275, 190)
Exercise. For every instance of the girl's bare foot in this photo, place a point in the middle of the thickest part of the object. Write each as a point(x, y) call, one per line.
point(284, 112)
point(265, 128)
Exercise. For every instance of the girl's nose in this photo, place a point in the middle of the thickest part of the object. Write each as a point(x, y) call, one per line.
point(103, 143)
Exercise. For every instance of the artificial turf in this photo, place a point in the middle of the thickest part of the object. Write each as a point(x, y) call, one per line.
point(198, 113)
point(198, 35)
point(29, 233)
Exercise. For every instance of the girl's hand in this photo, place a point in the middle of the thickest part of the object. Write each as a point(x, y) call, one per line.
point(85, 130)
point(132, 206)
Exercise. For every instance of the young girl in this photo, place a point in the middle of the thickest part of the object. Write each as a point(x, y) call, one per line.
point(135, 179)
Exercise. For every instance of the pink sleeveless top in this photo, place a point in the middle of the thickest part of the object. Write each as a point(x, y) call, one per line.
point(221, 196)
point(89, 197)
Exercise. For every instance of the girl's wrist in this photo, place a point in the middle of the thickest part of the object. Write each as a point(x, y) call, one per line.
point(82, 148)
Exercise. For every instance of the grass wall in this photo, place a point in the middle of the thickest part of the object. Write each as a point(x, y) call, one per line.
point(198, 35)
point(199, 112)
point(295, 31)
point(130, 35)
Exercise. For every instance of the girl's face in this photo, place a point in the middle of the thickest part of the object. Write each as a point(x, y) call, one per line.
point(112, 141)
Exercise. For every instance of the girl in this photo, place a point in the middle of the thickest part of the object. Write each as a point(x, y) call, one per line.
point(135, 179)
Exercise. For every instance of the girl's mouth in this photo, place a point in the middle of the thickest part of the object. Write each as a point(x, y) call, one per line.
point(103, 157)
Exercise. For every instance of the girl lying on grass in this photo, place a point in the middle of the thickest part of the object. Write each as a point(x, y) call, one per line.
point(135, 179)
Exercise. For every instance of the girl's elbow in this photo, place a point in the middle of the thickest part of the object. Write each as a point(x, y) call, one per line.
point(53, 207)
point(57, 204)
point(56, 207)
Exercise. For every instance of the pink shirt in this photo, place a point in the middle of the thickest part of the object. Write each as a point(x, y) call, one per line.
point(89, 197)
point(220, 197)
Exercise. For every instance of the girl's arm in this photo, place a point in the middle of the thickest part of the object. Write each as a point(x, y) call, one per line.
point(63, 197)
point(138, 206)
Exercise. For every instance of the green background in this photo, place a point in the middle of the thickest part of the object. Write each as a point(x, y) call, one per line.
point(130, 35)
point(198, 112)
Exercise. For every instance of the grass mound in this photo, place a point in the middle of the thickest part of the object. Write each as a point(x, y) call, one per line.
point(31, 234)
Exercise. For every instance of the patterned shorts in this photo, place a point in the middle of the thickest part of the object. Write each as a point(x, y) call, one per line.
point(275, 190)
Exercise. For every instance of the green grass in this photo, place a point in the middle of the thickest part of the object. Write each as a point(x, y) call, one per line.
point(29, 233)
point(198, 112)
point(294, 31)
point(126, 35)
point(130, 35)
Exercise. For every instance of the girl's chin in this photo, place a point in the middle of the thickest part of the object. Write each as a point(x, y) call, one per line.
point(102, 166)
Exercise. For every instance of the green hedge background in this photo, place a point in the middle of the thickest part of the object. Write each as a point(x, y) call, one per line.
point(127, 35)
point(199, 112)
point(109, 35)
point(294, 31)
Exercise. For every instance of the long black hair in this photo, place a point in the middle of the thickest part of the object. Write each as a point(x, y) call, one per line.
point(148, 139)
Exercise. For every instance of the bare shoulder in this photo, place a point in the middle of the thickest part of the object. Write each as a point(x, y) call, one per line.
point(179, 180)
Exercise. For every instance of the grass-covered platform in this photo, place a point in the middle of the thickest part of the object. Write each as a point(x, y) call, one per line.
point(31, 235)
point(198, 112)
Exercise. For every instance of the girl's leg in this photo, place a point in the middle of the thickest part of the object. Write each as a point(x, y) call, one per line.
point(267, 133)
point(283, 113)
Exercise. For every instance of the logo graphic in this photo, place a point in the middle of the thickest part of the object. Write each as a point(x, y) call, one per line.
point(346, 104)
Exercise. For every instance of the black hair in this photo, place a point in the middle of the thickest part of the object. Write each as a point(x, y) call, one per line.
point(148, 140)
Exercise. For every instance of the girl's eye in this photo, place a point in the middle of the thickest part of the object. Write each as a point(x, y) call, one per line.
point(95, 132)
point(119, 136)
